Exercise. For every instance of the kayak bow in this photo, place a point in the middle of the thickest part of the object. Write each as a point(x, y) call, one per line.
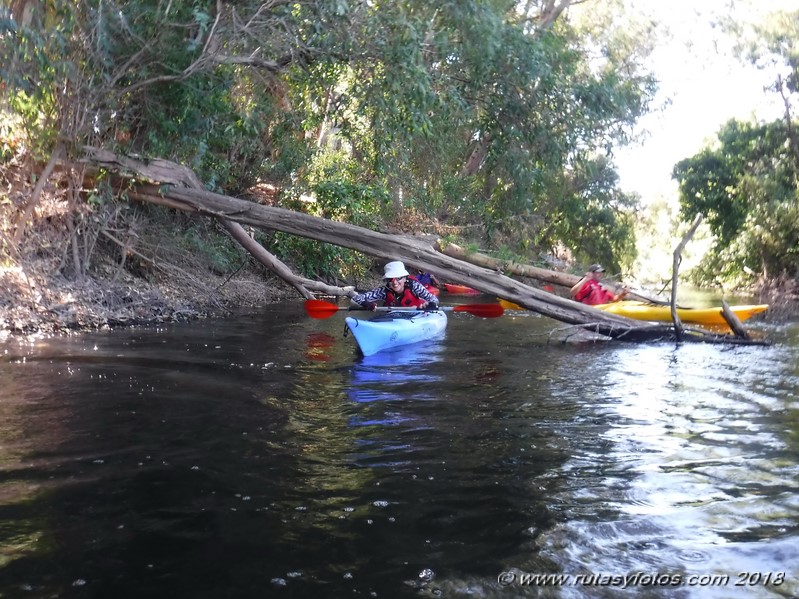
point(396, 328)
point(453, 289)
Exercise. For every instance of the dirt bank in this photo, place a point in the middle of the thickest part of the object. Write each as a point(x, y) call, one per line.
point(32, 301)
point(70, 261)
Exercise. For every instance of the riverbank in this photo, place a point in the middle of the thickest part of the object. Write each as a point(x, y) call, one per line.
point(78, 266)
point(33, 302)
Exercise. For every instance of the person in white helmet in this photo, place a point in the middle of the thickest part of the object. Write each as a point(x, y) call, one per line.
point(399, 290)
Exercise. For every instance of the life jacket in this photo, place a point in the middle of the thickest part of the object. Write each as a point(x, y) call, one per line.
point(592, 293)
point(406, 298)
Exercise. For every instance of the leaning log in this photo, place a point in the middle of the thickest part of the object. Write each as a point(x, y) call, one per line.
point(529, 271)
point(265, 257)
point(170, 173)
point(733, 321)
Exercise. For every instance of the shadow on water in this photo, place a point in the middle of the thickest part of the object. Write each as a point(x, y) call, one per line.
point(262, 456)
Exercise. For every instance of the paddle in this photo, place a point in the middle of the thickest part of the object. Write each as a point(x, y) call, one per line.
point(321, 309)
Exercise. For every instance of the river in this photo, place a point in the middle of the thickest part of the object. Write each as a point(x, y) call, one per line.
point(262, 456)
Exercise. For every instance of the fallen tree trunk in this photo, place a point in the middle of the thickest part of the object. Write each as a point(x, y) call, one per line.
point(270, 261)
point(544, 275)
point(265, 257)
point(417, 252)
point(301, 284)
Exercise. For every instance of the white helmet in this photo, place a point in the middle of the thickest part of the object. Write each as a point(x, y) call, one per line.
point(394, 270)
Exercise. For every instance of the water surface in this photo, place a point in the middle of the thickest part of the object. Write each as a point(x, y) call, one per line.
point(262, 456)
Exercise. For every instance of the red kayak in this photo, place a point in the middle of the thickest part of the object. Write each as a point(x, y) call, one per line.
point(460, 289)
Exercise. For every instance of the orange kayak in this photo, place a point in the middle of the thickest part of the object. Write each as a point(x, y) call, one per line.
point(460, 289)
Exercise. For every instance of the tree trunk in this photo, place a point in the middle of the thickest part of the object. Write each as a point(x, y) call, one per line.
point(33, 201)
point(417, 252)
point(544, 275)
point(266, 258)
point(476, 157)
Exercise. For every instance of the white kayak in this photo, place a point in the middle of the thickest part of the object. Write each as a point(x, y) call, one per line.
point(396, 328)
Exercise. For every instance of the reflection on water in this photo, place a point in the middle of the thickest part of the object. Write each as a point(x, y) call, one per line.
point(263, 456)
point(702, 474)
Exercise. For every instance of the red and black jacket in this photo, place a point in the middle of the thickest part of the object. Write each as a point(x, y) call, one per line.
point(406, 298)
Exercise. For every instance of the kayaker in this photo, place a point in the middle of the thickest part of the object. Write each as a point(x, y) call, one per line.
point(399, 290)
point(427, 279)
point(588, 290)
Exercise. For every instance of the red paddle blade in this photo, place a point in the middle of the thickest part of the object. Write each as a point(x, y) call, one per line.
point(320, 309)
point(481, 310)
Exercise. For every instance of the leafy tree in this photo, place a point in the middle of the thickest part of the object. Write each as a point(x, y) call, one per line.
point(481, 111)
point(491, 113)
point(774, 44)
point(746, 188)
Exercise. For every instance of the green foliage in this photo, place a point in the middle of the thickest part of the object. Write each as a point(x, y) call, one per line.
point(775, 41)
point(37, 72)
point(746, 188)
point(461, 110)
point(139, 83)
point(707, 187)
point(336, 192)
point(356, 203)
point(746, 185)
point(315, 259)
point(448, 78)
point(335, 199)
point(221, 254)
point(591, 217)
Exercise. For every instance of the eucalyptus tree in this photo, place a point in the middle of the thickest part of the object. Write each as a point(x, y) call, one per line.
point(199, 82)
point(482, 112)
point(774, 44)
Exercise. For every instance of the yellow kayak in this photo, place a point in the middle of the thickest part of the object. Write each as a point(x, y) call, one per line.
point(644, 311)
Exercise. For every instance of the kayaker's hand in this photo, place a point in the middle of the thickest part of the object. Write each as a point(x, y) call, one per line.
point(423, 305)
point(371, 306)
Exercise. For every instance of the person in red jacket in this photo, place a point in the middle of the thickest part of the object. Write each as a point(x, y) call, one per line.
point(589, 291)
